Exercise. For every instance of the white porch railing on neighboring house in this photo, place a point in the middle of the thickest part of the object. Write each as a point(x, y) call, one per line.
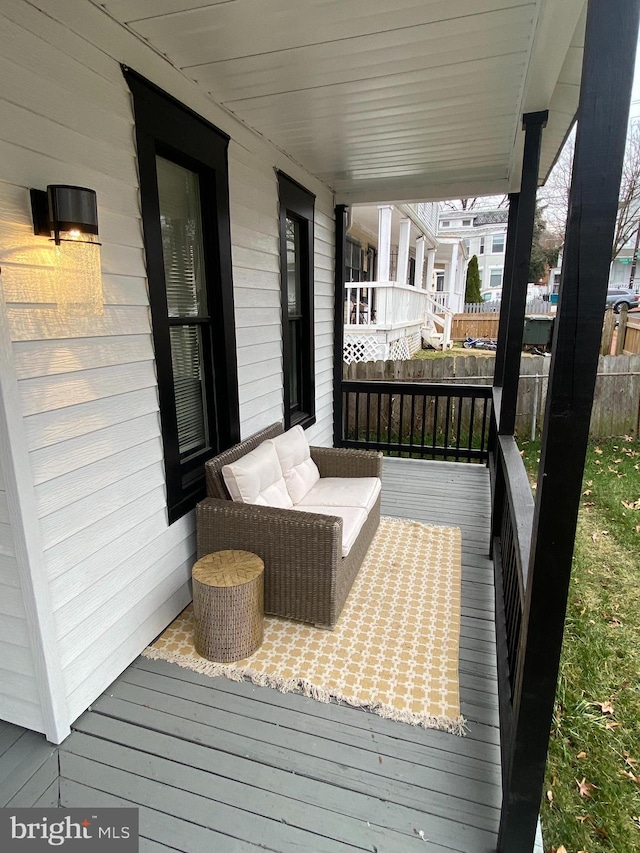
point(384, 303)
point(534, 306)
point(396, 309)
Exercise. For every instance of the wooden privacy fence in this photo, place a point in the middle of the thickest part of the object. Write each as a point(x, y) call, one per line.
point(616, 406)
point(631, 337)
point(474, 326)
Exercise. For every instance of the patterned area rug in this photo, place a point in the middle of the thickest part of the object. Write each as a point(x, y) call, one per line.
point(394, 649)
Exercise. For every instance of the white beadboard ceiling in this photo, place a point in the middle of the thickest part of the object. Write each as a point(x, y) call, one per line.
point(384, 100)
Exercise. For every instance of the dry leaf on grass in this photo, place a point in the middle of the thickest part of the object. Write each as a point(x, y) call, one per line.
point(631, 504)
point(581, 755)
point(585, 788)
point(611, 724)
point(599, 451)
point(605, 707)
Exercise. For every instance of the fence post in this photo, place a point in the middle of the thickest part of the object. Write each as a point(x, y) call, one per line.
point(607, 331)
point(622, 329)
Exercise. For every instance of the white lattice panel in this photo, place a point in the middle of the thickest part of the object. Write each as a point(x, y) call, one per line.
point(364, 348)
point(399, 350)
point(414, 342)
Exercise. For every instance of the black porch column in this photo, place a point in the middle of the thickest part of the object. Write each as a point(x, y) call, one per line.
point(610, 45)
point(507, 286)
point(338, 319)
point(509, 356)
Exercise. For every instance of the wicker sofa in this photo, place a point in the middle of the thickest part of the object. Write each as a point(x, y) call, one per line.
point(306, 576)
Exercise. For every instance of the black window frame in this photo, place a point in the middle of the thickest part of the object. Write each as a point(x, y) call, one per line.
point(164, 127)
point(298, 203)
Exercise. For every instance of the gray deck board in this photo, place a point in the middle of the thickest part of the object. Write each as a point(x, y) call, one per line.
point(27, 768)
point(224, 765)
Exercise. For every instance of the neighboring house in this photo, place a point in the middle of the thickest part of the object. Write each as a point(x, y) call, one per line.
point(412, 279)
point(484, 233)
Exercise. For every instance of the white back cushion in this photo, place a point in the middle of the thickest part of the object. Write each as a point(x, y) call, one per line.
point(298, 468)
point(256, 478)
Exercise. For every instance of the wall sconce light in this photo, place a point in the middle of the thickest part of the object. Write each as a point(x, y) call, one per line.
point(69, 217)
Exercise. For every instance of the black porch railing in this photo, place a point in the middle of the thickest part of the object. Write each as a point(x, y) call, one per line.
point(417, 420)
point(512, 526)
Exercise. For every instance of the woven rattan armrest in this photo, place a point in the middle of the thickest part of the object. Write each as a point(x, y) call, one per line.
point(302, 552)
point(347, 462)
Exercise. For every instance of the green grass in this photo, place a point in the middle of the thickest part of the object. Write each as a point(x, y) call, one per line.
point(600, 664)
point(456, 350)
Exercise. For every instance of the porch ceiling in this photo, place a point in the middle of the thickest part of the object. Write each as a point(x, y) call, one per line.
point(381, 99)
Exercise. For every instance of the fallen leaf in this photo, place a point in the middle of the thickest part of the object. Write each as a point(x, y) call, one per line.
point(615, 623)
point(587, 492)
point(550, 795)
point(631, 504)
point(605, 707)
point(581, 755)
point(628, 760)
point(595, 537)
point(583, 817)
point(585, 787)
point(589, 482)
point(599, 451)
point(611, 724)
point(588, 503)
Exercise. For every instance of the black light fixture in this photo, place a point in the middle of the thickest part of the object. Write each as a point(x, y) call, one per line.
point(63, 212)
point(68, 216)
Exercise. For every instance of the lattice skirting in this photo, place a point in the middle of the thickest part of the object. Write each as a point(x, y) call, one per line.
point(362, 348)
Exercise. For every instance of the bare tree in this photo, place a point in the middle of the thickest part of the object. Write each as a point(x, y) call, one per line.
point(553, 197)
point(628, 220)
point(489, 202)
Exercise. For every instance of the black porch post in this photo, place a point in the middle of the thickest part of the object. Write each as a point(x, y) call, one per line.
point(507, 286)
point(610, 44)
point(509, 356)
point(338, 319)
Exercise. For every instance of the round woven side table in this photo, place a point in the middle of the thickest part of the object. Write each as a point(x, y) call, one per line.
point(228, 604)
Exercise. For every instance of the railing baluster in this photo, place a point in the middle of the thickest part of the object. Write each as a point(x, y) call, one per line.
point(459, 428)
point(471, 416)
point(424, 423)
point(447, 421)
point(389, 422)
point(435, 427)
point(400, 424)
point(357, 419)
point(368, 415)
point(413, 414)
point(379, 416)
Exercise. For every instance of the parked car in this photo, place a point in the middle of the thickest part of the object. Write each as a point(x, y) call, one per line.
point(622, 296)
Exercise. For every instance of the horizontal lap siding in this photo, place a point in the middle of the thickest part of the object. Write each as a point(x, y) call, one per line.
point(256, 273)
point(19, 699)
point(117, 571)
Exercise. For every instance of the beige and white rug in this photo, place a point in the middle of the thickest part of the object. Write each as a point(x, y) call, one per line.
point(394, 649)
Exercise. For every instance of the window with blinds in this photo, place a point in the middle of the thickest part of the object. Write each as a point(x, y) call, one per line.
point(182, 162)
point(184, 273)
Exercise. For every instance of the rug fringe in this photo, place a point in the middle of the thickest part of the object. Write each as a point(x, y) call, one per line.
point(453, 725)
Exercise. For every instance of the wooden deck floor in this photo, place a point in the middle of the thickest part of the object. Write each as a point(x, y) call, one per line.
point(216, 765)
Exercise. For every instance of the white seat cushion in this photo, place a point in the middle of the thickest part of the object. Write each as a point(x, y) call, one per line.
point(299, 470)
point(353, 517)
point(344, 491)
point(256, 478)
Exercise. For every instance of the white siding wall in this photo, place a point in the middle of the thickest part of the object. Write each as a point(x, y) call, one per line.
point(117, 573)
point(19, 698)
